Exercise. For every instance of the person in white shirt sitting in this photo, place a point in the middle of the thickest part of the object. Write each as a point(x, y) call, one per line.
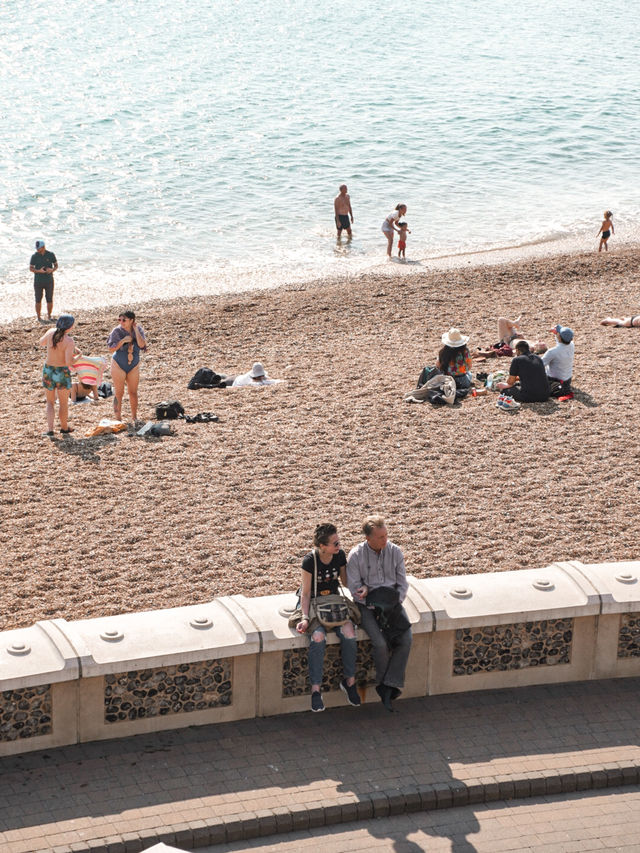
point(558, 361)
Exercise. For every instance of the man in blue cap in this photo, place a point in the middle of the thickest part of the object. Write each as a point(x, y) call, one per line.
point(558, 361)
point(43, 264)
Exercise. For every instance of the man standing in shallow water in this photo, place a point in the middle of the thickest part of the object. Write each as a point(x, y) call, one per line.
point(43, 264)
point(342, 209)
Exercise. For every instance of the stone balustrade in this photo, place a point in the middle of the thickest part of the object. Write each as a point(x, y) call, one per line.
point(235, 657)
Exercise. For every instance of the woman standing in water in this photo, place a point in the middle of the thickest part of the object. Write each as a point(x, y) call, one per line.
point(390, 223)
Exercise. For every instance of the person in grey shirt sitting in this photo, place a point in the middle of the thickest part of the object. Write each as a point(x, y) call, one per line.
point(374, 564)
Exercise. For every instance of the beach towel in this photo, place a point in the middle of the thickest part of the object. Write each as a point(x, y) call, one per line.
point(105, 426)
point(444, 385)
point(89, 369)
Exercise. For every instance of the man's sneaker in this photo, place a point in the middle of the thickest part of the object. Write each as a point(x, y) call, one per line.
point(316, 701)
point(351, 693)
point(507, 403)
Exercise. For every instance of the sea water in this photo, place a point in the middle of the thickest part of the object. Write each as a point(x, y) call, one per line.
point(166, 147)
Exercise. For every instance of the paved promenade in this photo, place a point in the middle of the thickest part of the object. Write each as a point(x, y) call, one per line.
point(605, 821)
point(238, 781)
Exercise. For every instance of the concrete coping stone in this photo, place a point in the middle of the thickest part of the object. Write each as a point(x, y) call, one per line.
point(36, 655)
point(153, 638)
point(265, 613)
point(57, 650)
point(500, 598)
point(617, 584)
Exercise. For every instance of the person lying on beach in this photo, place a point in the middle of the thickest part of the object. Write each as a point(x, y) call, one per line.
point(621, 322)
point(256, 377)
point(606, 229)
point(80, 392)
point(402, 239)
point(56, 373)
point(508, 331)
point(88, 377)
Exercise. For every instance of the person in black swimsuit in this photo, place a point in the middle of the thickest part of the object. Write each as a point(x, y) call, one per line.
point(607, 230)
point(621, 322)
point(342, 211)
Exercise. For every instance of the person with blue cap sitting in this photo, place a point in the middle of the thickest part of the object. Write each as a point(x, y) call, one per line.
point(558, 361)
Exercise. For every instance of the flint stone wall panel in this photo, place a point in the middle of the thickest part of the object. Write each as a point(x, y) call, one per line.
point(629, 636)
point(177, 689)
point(25, 713)
point(295, 669)
point(498, 648)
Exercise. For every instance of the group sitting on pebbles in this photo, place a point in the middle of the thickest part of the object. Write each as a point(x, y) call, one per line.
point(535, 373)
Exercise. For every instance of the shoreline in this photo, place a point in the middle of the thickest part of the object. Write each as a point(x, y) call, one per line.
point(532, 250)
point(114, 524)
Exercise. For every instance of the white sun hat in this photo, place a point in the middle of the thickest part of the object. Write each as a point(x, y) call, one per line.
point(454, 338)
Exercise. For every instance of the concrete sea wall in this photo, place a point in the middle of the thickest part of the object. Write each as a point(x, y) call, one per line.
point(235, 657)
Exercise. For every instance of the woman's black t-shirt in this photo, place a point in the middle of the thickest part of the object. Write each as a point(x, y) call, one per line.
point(328, 574)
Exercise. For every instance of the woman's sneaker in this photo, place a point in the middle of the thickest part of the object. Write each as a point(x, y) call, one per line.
point(316, 702)
point(351, 692)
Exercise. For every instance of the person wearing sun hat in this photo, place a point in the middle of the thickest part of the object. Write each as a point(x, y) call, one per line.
point(254, 378)
point(558, 361)
point(454, 359)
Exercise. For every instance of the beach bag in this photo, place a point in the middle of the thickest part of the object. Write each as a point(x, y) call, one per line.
point(427, 374)
point(204, 378)
point(330, 610)
point(169, 410)
point(391, 619)
point(105, 389)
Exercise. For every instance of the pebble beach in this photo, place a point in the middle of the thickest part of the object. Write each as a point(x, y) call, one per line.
point(99, 526)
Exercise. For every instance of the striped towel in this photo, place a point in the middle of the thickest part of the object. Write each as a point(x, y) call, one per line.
point(89, 370)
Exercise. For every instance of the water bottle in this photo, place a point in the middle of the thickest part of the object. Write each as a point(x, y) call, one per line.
point(490, 382)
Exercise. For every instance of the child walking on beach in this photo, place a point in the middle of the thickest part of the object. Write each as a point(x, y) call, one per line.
point(402, 239)
point(607, 230)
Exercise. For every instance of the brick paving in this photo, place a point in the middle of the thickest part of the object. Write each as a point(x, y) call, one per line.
point(228, 783)
point(578, 822)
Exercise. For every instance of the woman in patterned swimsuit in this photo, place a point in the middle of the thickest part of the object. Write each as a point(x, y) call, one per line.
point(56, 373)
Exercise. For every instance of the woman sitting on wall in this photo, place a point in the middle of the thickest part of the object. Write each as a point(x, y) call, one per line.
point(322, 572)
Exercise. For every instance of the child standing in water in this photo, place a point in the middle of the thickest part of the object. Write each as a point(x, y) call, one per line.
point(607, 230)
point(402, 239)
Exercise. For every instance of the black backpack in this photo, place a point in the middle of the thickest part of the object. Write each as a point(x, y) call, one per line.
point(204, 378)
point(169, 410)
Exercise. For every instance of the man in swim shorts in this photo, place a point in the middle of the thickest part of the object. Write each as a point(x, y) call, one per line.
point(342, 209)
point(43, 264)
